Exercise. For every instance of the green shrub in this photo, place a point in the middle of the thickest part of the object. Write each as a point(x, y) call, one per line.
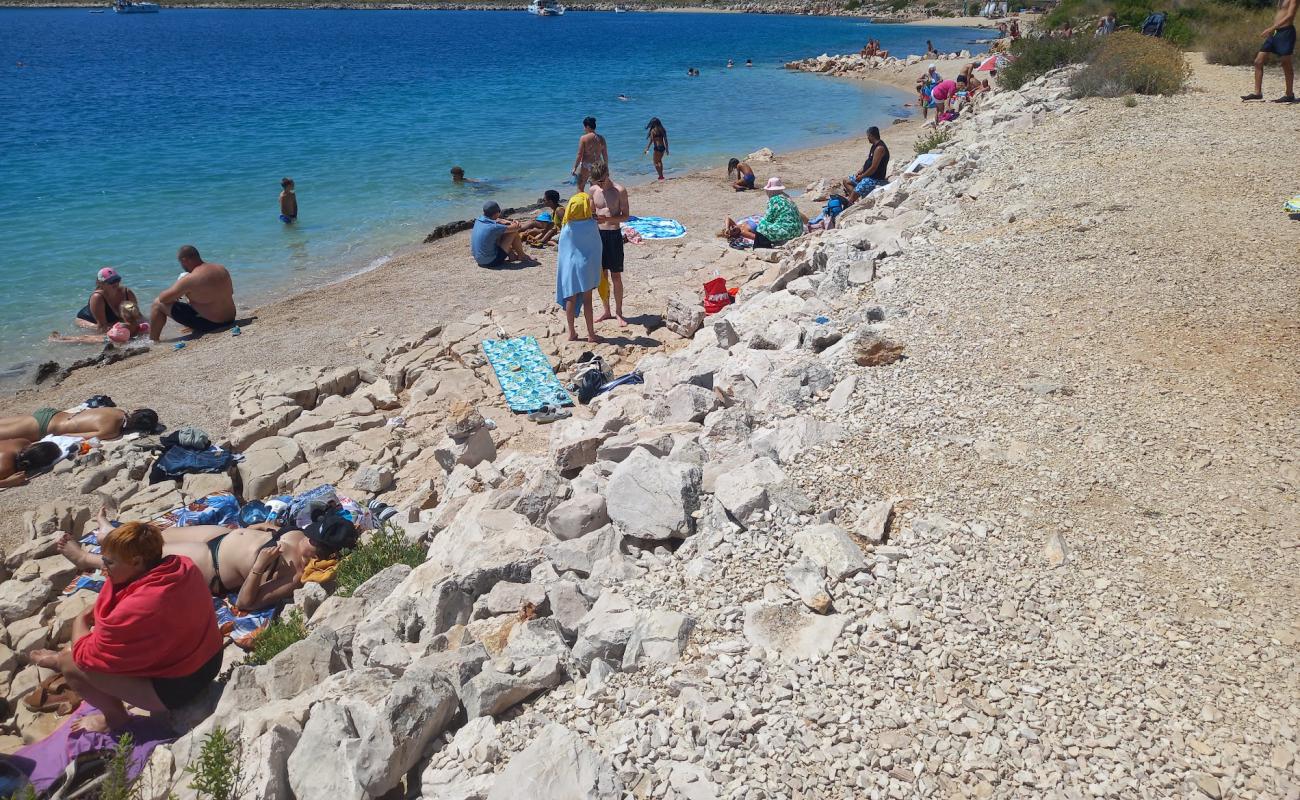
point(283, 631)
point(1236, 40)
point(932, 140)
point(1130, 101)
point(387, 546)
point(217, 771)
point(1130, 63)
point(116, 785)
point(1034, 57)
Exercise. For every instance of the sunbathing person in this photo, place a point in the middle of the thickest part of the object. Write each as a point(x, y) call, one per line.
point(263, 566)
point(19, 458)
point(780, 224)
point(151, 640)
point(105, 423)
point(744, 174)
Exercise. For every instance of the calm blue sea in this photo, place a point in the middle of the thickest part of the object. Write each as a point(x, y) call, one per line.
point(123, 137)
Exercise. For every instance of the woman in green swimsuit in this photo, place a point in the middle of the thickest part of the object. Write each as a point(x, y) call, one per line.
point(105, 423)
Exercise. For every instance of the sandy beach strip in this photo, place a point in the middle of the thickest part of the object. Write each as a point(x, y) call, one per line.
point(427, 284)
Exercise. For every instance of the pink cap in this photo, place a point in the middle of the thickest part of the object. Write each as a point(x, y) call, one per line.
point(109, 275)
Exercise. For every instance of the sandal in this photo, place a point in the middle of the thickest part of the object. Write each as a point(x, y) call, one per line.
point(1286, 98)
point(1252, 96)
point(52, 695)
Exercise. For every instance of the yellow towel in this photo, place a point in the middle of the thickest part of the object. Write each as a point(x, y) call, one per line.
point(603, 287)
point(320, 570)
point(579, 208)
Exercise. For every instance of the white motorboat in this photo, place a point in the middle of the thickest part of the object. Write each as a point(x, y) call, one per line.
point(129, 7)
point(546, 8)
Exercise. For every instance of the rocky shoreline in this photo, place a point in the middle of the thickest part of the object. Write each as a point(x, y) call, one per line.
point(706, 586)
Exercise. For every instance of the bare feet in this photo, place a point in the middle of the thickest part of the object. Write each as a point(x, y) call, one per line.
point(621, 321)
point(594, 339)
point(92, 723)
point(604, 317)
point(74, 552)
point(573, 337)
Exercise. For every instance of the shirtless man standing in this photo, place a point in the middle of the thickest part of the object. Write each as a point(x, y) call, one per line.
point(210, 292)
point(609, 200)
point(591, 151)
point(1279, 39)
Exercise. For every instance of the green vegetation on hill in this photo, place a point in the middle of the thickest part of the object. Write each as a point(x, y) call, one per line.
point(1188, 20)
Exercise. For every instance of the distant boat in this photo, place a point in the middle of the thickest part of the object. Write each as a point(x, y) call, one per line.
point(129, 7)
point(620, 10)
point(546, 8)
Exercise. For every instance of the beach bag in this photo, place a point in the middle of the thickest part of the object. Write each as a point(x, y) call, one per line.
point(716, 296)
point(589, 377)
point(1154, 25)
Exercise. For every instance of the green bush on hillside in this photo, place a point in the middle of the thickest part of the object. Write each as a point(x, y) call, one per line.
point(1130, 63)
point(932, 140)
point(1186, 23)
point(283, 631)
point(386, 547)
point(1034, 57)
point(1236, 41)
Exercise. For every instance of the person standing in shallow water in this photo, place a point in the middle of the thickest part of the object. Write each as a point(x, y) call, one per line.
point(657, 137)
point(591, 151)
point(288, 202)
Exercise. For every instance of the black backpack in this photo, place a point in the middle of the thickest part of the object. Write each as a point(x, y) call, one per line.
point(1154, 25)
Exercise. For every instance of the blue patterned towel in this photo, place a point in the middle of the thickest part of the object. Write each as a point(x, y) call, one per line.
point(525, 374)
point(656, 227)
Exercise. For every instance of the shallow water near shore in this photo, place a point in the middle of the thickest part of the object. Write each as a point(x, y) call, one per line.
point(130, 135)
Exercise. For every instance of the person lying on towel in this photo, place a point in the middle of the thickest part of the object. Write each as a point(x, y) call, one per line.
point(263, 566)
point(151, 640)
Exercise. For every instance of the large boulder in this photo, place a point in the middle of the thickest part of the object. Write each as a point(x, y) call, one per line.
point(491, 692)
point(744, 492)
point(792, 632)
point(484, 545)
point(606, 629)
point(831, 547)
point(652, 498)
point(658, 637)
point(684, 314)
point(264, 462)
point(418, 708)
point(578, 516)
point(558, 765)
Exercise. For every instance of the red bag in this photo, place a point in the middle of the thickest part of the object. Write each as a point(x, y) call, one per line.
point(716, 296)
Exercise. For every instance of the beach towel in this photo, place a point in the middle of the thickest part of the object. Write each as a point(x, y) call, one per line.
point(525, 374)
point(241, 626)
point(44, 762)
point(921, 162)
point(1292, 206)
point(577, 265)
point(656, 227)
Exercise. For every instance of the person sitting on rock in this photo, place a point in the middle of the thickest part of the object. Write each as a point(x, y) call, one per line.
point(265, 567)
point(19, 458)
point(151, 640)
point(874, 170)
point(104, 423)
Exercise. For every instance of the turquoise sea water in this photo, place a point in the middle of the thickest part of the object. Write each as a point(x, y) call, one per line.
point(123, 137)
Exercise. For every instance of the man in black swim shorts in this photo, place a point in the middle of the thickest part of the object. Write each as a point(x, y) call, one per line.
point(207, 287)
point(1280, 41)
point(609, 200)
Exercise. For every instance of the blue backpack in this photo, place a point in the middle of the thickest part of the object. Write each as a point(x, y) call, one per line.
point(1154, 25)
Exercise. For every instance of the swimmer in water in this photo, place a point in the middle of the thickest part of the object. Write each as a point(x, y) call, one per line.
point(730, 63)
point(623, 97)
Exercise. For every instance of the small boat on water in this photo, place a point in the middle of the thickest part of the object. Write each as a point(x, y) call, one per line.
point(546, 8)
point(620, 10)
point(135, 7)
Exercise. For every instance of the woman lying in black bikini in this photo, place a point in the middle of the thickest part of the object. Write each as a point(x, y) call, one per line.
point(265, 567)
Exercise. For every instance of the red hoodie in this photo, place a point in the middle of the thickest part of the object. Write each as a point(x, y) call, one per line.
point(160, 625)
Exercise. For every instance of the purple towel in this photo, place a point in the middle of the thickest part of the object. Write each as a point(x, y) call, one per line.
point(46, 760)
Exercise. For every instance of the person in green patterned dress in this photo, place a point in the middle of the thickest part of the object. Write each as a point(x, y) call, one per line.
point(780, 224)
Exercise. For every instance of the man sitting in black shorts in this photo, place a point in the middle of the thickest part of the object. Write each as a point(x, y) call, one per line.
point(609, 200)
point(1279, 40)
point(207, 287)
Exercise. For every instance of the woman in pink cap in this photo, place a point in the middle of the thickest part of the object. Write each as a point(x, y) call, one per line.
point(104, 310)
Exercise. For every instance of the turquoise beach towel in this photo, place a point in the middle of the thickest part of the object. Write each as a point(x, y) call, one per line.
point(525, 374)
point(656, 227)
